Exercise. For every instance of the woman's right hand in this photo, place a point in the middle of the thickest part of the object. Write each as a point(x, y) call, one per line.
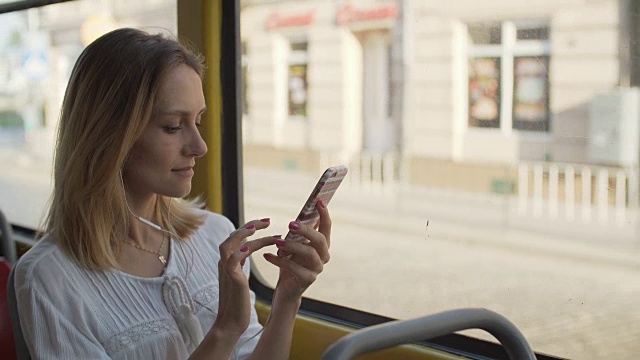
point(234, 308)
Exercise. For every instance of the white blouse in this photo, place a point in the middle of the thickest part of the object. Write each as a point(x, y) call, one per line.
point(67, 312)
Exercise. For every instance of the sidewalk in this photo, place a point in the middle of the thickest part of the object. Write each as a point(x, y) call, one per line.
point(417, 212)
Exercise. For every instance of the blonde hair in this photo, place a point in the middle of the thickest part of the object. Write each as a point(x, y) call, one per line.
point(108, 102)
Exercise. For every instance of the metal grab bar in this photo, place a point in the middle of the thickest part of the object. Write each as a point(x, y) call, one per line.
point(399, 332)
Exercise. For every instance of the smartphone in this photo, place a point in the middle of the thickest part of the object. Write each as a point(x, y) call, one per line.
point(324, 190)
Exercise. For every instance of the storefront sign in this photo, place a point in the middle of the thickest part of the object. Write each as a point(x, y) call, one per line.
point(348, 14)
point(277, 20)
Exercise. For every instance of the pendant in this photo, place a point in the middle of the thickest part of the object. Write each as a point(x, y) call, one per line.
point(163, 260)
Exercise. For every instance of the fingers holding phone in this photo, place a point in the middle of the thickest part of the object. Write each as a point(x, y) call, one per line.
point(324, 225)
point(304, 261)
point(302, 255)
point(320, 238)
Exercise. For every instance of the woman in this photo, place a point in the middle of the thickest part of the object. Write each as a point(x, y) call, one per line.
point(123, 271)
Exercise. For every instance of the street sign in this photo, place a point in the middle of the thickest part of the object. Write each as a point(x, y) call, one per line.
point(35, 64)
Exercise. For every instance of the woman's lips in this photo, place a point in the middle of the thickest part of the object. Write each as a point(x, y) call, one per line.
point(185, 171)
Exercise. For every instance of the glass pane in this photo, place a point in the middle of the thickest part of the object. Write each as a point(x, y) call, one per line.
point(38, 48)
point(298, 45)
point(448, 202)
point(541, 33)
point(485, 34)
point(484, 92)
point(298, 90)
point(531, 93)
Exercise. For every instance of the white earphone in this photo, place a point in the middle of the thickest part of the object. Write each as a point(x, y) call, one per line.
point(143, 220)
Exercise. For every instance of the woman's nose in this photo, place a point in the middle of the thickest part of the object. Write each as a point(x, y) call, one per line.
point(197, 147)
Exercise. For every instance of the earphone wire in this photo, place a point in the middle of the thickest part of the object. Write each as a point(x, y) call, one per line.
point(188, 263)
point(235, 353)
point(148, 222)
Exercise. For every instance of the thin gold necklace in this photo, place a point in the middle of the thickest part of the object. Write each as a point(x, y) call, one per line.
point(161, 257)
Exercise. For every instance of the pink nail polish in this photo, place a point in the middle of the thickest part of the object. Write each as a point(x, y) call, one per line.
point(281, 243)
point(250, 227)
point(244, 249)
point(277, 236)
point(294, 225)
point(265, 220)
point(267, 256)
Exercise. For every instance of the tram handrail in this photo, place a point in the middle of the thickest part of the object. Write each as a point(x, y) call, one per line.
point(383, 336)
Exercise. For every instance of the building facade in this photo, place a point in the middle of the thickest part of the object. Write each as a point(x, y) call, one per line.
point(456, 89)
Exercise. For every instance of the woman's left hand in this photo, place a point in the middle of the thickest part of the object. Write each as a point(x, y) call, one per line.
point(300, 270)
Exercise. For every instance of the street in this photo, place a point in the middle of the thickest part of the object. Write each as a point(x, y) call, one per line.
point(569, 298)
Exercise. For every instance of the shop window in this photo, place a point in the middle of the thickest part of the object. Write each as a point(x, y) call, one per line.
point(297, 86)
point(514, 55)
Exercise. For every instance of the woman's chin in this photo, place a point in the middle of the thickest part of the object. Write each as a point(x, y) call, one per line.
point(180, 192)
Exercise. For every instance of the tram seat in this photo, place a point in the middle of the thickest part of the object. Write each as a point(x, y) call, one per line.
point(6, 334)
point(7, 244)
point(12, 343)
point(20, 347)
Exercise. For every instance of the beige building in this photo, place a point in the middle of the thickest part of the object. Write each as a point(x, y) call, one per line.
point(458, 89)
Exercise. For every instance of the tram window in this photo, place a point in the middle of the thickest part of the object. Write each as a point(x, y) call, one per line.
point(522, 202)
point(38, 48)
point(438, 211)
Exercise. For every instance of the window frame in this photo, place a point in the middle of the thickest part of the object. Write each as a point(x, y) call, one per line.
point(506, 52)
point(26, 4)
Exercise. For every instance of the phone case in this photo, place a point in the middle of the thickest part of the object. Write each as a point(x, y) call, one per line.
point(324, 190)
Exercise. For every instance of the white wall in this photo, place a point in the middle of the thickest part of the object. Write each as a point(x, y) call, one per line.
point(584, 63)
point(334, 76)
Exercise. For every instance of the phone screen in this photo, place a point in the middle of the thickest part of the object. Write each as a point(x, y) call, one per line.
point(324, 190)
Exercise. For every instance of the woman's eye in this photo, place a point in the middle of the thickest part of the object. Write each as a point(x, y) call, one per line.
point(172, 129)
